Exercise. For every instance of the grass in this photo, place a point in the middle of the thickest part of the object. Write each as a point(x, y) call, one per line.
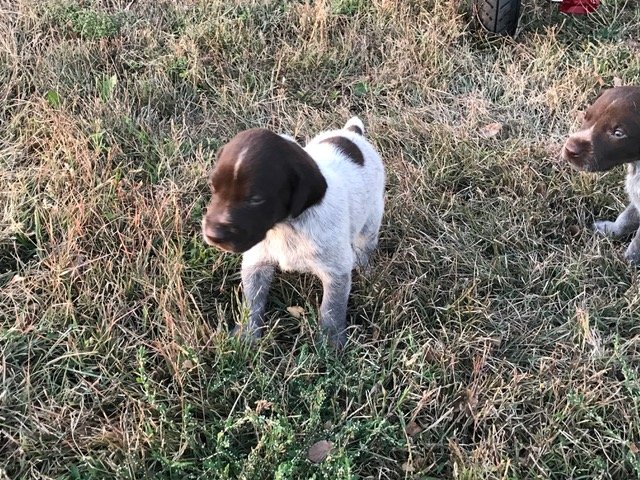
point(496, 337)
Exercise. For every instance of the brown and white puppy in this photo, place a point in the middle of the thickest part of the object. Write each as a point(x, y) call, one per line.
point(610, 136)
point(316, 209)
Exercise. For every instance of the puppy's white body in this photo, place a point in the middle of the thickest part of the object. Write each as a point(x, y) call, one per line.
point(629, 220)
point(327, 239)
point(632, 184)
point(334, 234)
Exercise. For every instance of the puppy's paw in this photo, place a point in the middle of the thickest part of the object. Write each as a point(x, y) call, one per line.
point(633, 254)
point(364, 268)
point(247, 333)
point(604, 227)
point(337, 339)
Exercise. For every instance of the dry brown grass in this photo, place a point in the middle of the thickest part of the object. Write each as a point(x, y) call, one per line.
point(496, 338)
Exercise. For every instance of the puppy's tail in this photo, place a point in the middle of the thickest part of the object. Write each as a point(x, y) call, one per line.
point(355, 125)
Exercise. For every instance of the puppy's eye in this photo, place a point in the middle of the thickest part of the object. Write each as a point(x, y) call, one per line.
point(618, 133)
point(256, 200)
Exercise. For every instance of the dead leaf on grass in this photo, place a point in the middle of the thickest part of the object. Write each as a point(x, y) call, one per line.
point(262, 405)
point(408, 467)
point(376, 334)
point(412, 428)
point(491, 130)
point(319, 451)
point(188, 365)
point(633, 45)
point(574, 230)
point(296, 311)
point(541, 189)
point(15, 279)
point(617, 82)
point(467, 400)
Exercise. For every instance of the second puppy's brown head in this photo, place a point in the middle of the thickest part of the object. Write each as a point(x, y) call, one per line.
point(259, 180)
point(610, 132)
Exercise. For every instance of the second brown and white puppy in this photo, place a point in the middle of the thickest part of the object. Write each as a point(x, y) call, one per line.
point(316, 209)
point(610, 136)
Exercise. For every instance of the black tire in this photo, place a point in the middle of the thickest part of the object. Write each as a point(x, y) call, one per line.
point(499, 16)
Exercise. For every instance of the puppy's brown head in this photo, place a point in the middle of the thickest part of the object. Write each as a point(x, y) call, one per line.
point(610, 133)
point(259, 180)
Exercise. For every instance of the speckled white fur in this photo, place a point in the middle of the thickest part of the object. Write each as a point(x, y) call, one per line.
point(632, 183)
point(328, 239)
point(629, 220)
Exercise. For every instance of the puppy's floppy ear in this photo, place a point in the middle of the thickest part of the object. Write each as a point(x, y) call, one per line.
point(308, 184)
point(219, 154)
point(212, 169)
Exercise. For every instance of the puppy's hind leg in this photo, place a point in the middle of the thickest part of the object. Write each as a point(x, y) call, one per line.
point(364, 246)
point(333, 310)
point(626, 223)
point(366, 242)
point(633, 250)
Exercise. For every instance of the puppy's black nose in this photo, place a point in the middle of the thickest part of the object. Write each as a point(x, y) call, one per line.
point(218, 233)
point(575, 148)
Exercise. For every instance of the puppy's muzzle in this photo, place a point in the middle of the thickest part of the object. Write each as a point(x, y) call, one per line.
point(575, 148)
point(219, 234)
point(577, 152)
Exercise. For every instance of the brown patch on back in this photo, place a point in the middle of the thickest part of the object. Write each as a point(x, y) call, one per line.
point(355, 129)
point(348, 148)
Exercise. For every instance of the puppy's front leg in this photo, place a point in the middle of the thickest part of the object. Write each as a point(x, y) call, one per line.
point(633, 250)
point(256, 280)
point(333, 310)
point(627, 222)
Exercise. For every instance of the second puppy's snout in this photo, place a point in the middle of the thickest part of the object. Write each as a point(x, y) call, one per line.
point(575, 147)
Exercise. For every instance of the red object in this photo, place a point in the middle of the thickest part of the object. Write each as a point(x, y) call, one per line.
point(579, 7)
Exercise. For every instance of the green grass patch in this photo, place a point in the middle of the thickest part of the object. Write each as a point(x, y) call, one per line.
point(496, 336)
